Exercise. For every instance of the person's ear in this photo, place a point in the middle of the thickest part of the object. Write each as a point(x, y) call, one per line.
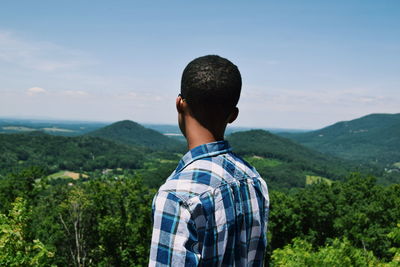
point(234, 114)
point(179, 104)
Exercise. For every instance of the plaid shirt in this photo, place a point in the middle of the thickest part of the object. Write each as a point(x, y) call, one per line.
point(211, 211)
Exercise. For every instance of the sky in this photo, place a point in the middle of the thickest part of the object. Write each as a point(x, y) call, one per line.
point(304, 64)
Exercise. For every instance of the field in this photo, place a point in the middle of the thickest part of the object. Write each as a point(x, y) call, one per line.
point(310, 179)
point(260, 162)
point(54, 129)
point(67, 174)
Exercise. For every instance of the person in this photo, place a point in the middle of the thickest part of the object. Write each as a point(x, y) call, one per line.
point(213, 209)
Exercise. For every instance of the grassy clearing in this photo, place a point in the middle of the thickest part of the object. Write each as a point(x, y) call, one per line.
point(55, 130)
point(260, 162)
point(66, 175)
point(397, 164)
point(167, 161)
point(311, 179)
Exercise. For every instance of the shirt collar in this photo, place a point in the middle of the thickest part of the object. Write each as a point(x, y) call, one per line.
point(203, 151)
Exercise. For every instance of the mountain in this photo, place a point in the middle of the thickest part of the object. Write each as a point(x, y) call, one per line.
point(131, 133)
point(65, 153)
point(285, 163)
point(373, 138)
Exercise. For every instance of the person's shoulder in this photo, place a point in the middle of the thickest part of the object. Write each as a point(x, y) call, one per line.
point(243, 165)
point(187, 184)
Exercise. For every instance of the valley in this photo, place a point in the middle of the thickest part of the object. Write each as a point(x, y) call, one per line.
point(93, 183)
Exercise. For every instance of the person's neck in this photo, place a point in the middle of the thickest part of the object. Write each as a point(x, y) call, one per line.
point(197, 134)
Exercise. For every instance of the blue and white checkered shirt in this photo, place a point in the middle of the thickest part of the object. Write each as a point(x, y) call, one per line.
point(211, 211)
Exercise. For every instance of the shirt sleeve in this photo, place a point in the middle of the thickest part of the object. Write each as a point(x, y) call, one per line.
point(174, 235)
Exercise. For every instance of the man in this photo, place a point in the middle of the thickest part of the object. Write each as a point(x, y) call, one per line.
point(213, 209)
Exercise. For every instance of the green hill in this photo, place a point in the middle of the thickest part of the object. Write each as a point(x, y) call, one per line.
point(65, 153)
point(374, 138)
point(131, 133)
point(283, 162)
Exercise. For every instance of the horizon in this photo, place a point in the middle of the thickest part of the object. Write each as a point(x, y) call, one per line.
point(78, 121)
point(304, 65)
point(147, 124)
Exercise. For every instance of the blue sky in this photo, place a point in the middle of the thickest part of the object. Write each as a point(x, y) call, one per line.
point(305, 64)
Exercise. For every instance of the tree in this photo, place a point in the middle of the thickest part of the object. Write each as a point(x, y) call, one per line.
point(15, 248)
point(395, 236)
point(336, 253)
point(75, 208)
point(104, 221)
point(19, 184)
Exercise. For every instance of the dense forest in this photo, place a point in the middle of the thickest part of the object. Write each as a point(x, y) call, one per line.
point(83, 153)
point(373, 138)
point(86, 201)
point(285, 163)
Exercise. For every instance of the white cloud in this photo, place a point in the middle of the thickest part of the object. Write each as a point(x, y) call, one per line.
point(35, 90)
point(40, 56)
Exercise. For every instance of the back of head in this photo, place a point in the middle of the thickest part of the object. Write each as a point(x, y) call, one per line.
point(211, 86)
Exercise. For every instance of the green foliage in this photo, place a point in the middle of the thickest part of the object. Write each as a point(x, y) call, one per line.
point(394, 235)
point(284, 163)
point(104, 218)
point(124, 221)
point(20, 184)
point(357, 209)
point(373, 138)
point(19, 151)
point(15, 247)
point(260, 162)
point(310, 179)
point(334, 253)
point(105, 221)
point(156, 170)
point(337, 253)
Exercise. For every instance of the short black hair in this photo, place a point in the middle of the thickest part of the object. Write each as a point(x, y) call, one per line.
point(211, 86)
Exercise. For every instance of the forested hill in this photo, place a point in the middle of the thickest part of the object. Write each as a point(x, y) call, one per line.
point(131, 133)
point(283, 162)
point(373, 138)
point(81, 153)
